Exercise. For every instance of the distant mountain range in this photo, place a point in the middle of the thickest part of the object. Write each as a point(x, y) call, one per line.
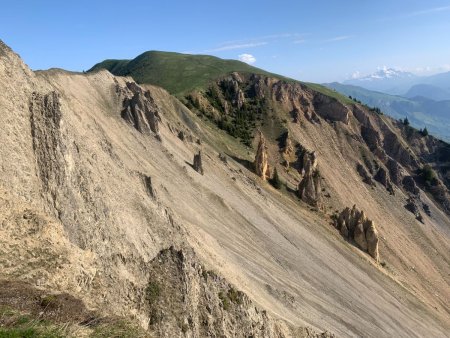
point(397, 82)
point(425, 100)
point(421, 111)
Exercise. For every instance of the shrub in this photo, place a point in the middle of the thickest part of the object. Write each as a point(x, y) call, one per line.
point(424, 132)
point(235, 296)
point(428, 175)
point(225, 301)
point(48, 301)
point(153, 291)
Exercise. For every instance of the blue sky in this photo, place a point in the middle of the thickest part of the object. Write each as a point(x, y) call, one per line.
point(316, 41)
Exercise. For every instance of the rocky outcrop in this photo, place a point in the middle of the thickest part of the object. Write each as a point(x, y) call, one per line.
point(353, 224)
point(330, 108)
point(183, 299)
point(396, 149)
point(441, 195)
point(45, 118)
point(395, 171)
point(295, 113)
point(311, 116)
point(360, 237)
point(261, 163)
point(410, 185)
point(372, 240)
point(412, 205)
point(140, 110)
point(288, 151)
point(181, 135)
point(309, 188)
point(382, 177)
point(197, 165)
point(147, 181)
point(232, 91)
point(426, 209)
point(362, 171)
point(371, 137)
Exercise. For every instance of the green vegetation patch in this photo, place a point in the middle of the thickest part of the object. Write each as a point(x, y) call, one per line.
point(153, 291)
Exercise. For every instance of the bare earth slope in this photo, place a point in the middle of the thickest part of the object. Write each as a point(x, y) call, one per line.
point(129, 226)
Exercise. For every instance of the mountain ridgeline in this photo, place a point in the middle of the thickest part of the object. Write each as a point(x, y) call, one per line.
point(187, 196)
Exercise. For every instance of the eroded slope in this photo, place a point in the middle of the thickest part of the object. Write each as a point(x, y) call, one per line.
point(122, 194)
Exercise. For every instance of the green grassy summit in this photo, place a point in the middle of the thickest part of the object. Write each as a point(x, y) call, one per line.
point(177, 73)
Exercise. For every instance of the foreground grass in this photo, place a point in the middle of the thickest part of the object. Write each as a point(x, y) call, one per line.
point(15, 324)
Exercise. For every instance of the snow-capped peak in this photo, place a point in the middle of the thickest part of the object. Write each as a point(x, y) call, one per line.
point(384, 73)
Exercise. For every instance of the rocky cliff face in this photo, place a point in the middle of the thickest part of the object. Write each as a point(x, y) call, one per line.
point(238, 101)
point(139, 109)
point(45, 117)
point(393, 144)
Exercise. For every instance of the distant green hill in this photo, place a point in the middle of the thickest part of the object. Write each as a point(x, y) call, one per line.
point(421, 112)
point(177, 73)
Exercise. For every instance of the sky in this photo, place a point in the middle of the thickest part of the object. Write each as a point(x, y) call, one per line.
point(317, 41)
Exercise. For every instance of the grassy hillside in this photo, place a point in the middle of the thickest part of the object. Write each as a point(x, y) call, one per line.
point(329, 92)
point(177, 73)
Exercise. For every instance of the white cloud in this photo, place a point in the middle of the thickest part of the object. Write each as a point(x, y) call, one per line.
point(256, 42)
point(247, 58)
point(339, 38)
point(238, 46)
point(429, 10)
point(416, 13)
point(271, 37)
point(356, 75)
point(428, 70)
point(299, 41)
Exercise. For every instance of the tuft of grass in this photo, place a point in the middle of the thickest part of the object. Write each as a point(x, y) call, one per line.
point(27, 327)
point(225, 301)
point(118, 329)
point(329, 92)
point(153, 291)
point(235, 296)
point(48, 301)
point(19, 333)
